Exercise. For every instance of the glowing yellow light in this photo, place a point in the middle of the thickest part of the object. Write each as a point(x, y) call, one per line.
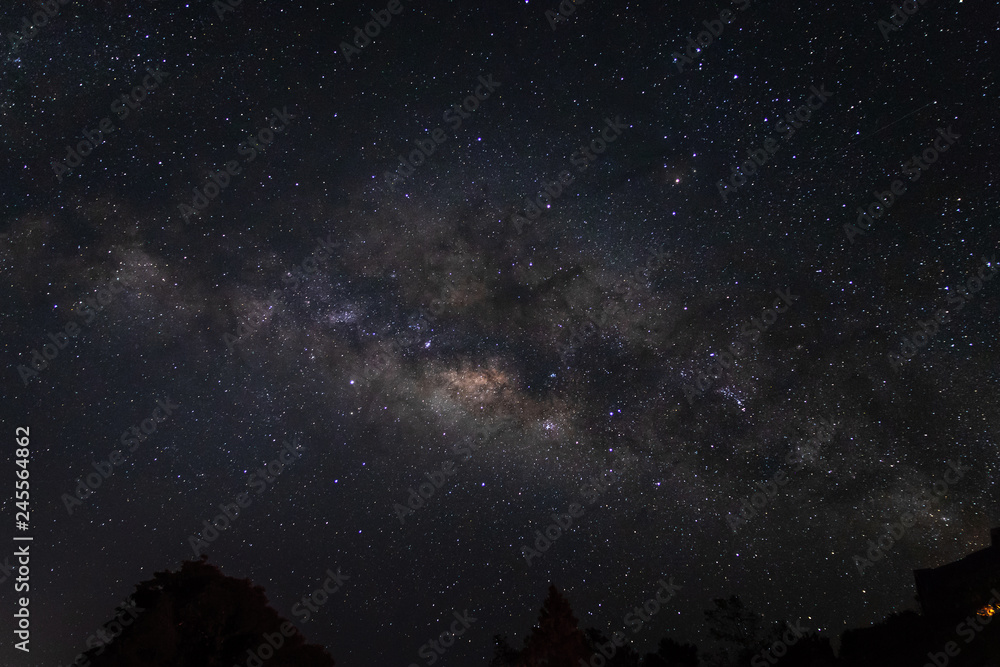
point(988, 610)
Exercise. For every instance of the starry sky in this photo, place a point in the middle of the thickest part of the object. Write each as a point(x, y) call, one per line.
point(439, 326)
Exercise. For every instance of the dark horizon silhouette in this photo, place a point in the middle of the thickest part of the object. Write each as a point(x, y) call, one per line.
point(199, 616)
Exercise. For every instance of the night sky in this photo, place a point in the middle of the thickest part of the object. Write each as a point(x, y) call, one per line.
point(392, 320)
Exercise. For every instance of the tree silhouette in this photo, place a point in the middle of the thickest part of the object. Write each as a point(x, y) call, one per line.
point(624, 656)
point(556, 641)
point(737, 627)
point(958, 628)
point(198, 617)
point(670, 653)
point(810, 650)
point(901, 638)
point(504, 655)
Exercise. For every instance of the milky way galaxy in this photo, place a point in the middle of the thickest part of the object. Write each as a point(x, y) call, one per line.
point(632, 326)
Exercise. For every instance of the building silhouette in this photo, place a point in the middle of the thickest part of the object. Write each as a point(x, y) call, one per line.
point(963, 587)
